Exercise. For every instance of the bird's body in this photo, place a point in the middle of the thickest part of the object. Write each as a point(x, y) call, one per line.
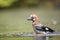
point(38, 27)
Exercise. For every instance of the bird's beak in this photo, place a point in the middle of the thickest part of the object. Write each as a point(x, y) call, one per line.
point(29, 18)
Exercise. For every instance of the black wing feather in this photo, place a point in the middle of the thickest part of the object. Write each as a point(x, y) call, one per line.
point(44, 28)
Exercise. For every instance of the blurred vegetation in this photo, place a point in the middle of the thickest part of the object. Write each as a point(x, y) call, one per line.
point(6, 3)
point(33, 1)
point(9, 3)
point(29, 3)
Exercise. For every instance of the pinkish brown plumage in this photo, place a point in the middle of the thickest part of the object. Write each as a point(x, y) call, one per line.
point(37, 26)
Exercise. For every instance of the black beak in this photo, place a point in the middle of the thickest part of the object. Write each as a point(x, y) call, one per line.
point(29, 19)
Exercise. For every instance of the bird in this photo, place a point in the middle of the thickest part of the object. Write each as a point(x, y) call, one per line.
point(38, 27)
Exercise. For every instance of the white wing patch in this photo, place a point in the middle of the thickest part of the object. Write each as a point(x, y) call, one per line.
point(46, 28)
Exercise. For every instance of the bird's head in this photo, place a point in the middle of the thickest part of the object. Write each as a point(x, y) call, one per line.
point(33, 17)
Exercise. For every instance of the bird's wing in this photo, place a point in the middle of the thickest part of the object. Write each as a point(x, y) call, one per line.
point(44, 28)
